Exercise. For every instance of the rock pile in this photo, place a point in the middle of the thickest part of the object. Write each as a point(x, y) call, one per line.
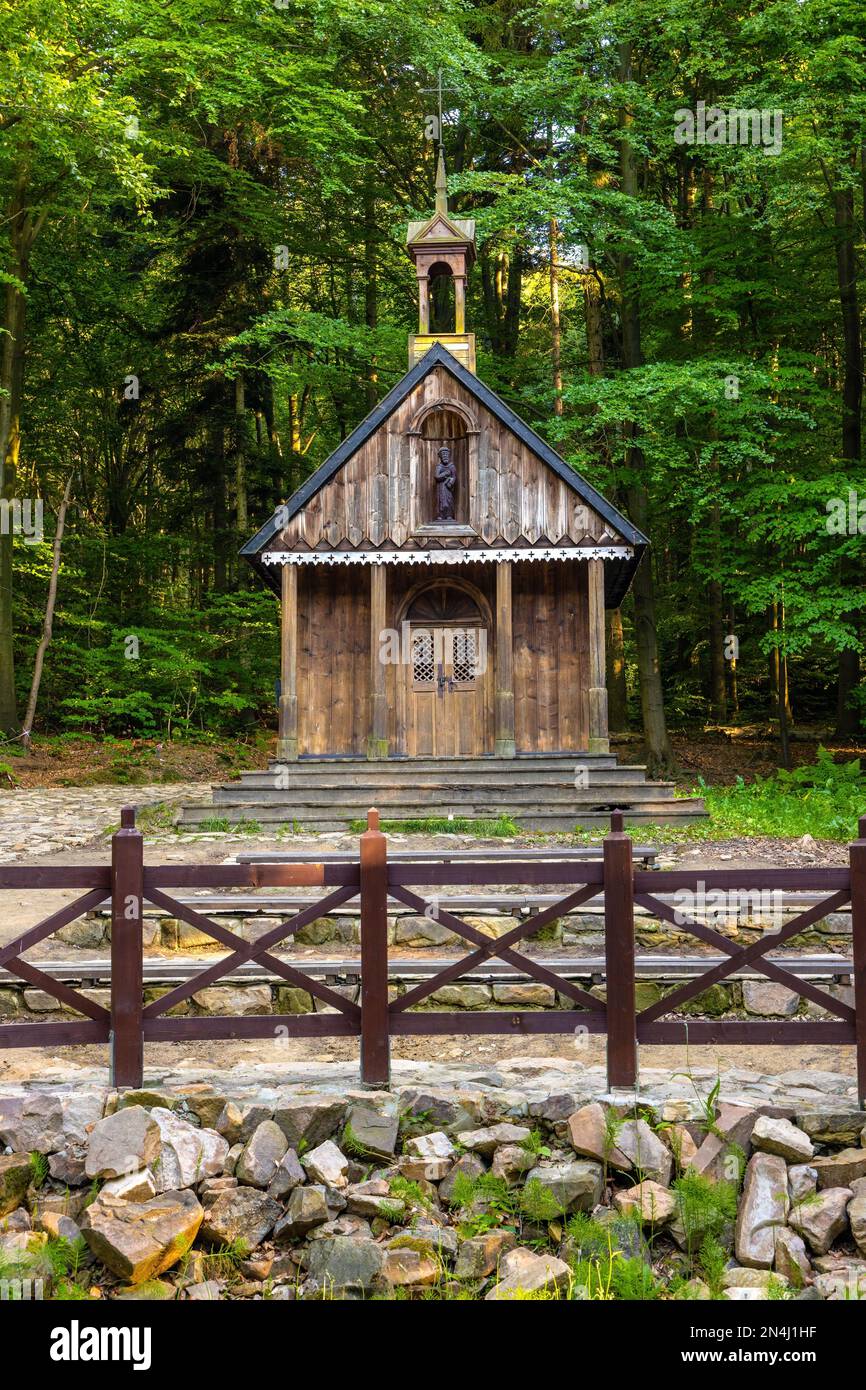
point(414, 1194)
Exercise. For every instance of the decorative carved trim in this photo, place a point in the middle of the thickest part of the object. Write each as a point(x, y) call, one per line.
point(465, 556)
point(444, 403)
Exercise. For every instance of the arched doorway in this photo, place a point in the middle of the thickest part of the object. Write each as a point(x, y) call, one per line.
point(444, 697)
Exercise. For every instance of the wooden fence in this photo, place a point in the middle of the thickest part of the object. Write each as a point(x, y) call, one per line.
point(129, 1023)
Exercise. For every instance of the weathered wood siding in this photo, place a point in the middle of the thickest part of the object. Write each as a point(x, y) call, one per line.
point(375, 500)
point(333, 661)
point(551, 657)
point(551, 662)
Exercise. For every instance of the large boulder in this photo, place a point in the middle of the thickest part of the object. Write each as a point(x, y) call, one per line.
point(575, 1186)
point(650, 1202)
point(840, 1169)
point(264, 1151)
point(791, 1260)
point(123, 1143)
point(777, 1136)
point(140, 1240)
point(308, 1120)
point(763, 1208)
point(833, 1126)
point(370, 1132)
point(822, 1218)
point(719, 1155)
point(306, 1208)
point(345, 1264)
point(645, 1151)
point(44, 1123)
point(479, 1256)
point(485, 1141)
point(591, 1134)
point(328, 1164)
point(857, 1220)
point(521, 1271)
point(187, 1154)
point(15, 1174)
point(242, 1214)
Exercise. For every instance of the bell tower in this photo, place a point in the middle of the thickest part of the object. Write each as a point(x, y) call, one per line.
point(443, 250)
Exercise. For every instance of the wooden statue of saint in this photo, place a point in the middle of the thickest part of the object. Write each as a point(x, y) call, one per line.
point(445, 478)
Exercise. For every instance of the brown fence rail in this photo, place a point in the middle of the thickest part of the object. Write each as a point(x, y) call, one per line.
point(129, 1023)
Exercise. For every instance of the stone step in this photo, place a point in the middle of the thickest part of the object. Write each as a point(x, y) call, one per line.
point(674, 812)
point(492, 799)
point(288, 777)
point(412, 767)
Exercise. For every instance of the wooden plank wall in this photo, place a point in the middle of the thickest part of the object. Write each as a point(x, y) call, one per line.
point(513, 496)
point(551, 655)
point(551, 651)
point(333, 660)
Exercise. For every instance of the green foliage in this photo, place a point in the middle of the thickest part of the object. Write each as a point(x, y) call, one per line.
point(705, 1208)
point(38, 1169)
point(503, 827)
point(823, 799)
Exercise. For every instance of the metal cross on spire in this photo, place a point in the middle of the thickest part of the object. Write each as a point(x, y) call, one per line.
point(435, 133)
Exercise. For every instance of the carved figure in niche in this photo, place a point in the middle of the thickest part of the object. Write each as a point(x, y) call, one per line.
point(445, 478)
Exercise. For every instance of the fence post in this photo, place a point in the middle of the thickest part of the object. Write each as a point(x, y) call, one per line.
point(127, 902)
point(619, 956)
point(375, 1039)
point(857, 859)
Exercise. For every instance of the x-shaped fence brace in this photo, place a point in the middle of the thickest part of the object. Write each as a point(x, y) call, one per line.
point(10, 957)
point(740, 956)
point(251, 950)
point(489, 946)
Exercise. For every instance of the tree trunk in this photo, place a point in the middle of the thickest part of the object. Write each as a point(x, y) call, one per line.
point(371, 288)
point(48, 624)
point(22, 232)
point(555, 321)
point(617, 693)
point(659, 754)
point(847, 721)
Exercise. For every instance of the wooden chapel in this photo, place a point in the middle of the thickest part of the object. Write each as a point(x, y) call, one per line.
point(443, 579)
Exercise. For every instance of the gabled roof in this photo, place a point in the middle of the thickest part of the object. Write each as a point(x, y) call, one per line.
point(441, 230)
point(618, 574)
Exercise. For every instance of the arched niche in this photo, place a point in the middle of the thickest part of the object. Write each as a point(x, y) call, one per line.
point(443, 424)
point(443, 307)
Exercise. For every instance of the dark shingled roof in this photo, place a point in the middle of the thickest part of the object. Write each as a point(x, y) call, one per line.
point(618, 573)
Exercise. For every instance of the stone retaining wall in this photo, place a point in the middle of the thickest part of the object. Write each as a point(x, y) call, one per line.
point(488, 1191)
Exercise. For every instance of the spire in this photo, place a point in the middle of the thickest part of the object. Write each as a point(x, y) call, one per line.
point(441, 184)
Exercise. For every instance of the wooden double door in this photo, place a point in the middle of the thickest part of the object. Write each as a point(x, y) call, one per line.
point(445, 705)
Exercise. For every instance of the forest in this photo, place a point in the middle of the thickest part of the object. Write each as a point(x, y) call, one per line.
point(205, 288)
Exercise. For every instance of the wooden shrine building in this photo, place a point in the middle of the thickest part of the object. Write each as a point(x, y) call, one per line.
point(443, 579)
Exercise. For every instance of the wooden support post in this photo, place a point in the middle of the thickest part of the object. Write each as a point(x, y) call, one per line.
point(127, 902)
point(857, 859)
point(504, 663)
point(287, 743)
point(375, 1039)
point(599, 738)
point(377, 739)
point(619, 956)
point(459, 303)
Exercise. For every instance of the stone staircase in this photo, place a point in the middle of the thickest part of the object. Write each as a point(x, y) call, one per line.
point(558, 792)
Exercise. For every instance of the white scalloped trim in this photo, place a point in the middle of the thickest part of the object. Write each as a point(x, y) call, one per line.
point(464, 556)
